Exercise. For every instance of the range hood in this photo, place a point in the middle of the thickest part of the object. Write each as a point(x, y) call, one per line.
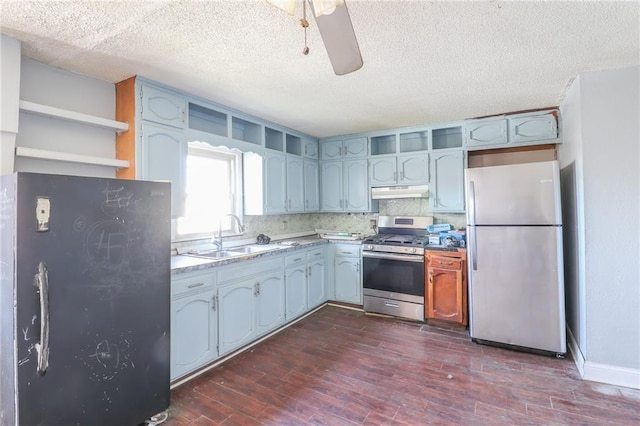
point(392, 192)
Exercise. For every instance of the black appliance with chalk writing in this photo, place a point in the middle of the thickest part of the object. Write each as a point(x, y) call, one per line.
point(84, 300)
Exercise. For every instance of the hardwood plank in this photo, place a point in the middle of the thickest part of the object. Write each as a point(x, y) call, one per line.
point(342, 367)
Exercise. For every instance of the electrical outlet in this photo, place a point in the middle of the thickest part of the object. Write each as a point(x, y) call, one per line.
point(372, 223)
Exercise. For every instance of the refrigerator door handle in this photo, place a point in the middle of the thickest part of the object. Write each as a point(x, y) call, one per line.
point(472, 203)
point(473, 247)
point(41, 281)
point(472, 230)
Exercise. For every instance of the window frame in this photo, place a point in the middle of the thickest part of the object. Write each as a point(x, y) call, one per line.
point(204, 149)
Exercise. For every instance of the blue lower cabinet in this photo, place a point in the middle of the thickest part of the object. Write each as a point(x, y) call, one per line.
point(295, 291)
point(270, 302)
point(236, 320)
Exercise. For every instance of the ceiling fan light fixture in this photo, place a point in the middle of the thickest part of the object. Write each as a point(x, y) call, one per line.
point(325, 7)
point(288, 6)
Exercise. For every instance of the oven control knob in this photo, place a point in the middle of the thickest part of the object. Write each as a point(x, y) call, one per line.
point(413, 250)
point(369, 247)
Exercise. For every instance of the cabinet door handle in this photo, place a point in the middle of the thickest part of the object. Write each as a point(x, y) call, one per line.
point(309, 269)
point(195, 285)
point(214, 302)
point(256, 290)
point(431, 278)
point(297, 259)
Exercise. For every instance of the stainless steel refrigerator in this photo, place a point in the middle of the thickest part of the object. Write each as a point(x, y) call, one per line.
point(514, 231)
point(84, 300)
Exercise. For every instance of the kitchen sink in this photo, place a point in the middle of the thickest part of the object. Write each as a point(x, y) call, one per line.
point(215, 254)
point(250, 249)
point(232, 252)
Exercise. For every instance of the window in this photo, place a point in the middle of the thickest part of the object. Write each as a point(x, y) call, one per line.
point(213, 190)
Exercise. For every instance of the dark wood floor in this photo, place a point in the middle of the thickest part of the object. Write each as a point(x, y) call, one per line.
point(341, 367)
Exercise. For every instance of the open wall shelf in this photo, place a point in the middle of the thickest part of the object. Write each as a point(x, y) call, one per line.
point(63, 114)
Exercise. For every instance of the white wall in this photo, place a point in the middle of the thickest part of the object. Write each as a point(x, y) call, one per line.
point(571, 176)
point(9, 100)
point(601, 117)
point(51, 86)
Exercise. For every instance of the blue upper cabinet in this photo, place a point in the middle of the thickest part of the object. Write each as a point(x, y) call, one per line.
point(164, 156)
point(533, 128)
point(354, 147)
point(485, 132)
point(163, 107)
point(310, 149)
point(338, 149)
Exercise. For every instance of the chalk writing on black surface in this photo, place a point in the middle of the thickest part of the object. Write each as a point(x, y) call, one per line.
point(108, 358)
point(80, 224)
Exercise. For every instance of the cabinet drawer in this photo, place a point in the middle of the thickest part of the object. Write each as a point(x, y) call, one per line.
point(248, 268)
point(344, 250)
point(315, 254)
point(192, 284)
point(445, 262)
point(293, 259)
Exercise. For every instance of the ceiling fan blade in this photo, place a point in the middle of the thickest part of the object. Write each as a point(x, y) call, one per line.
point(340, 40)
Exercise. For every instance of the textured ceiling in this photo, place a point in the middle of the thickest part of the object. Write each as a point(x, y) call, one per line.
point(424, 61)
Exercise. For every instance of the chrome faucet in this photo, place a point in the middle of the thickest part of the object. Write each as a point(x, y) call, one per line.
point(218, 241)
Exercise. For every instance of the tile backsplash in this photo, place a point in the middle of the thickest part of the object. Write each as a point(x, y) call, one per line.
point(350, 222)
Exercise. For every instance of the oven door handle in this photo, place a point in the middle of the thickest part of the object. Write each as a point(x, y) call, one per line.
point(391, 256)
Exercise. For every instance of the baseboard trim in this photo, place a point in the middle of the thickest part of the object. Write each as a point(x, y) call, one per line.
point(612, 375)
point(602, 373)
point(575, 352)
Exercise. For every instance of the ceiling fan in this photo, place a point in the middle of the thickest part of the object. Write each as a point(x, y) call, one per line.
point(334, 24)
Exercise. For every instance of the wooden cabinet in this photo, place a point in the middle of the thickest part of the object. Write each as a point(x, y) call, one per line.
point(447, 181)
point(446, 286)
point(348, 273)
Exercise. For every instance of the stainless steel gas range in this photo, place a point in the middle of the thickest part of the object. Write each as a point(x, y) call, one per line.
point(393, 267)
